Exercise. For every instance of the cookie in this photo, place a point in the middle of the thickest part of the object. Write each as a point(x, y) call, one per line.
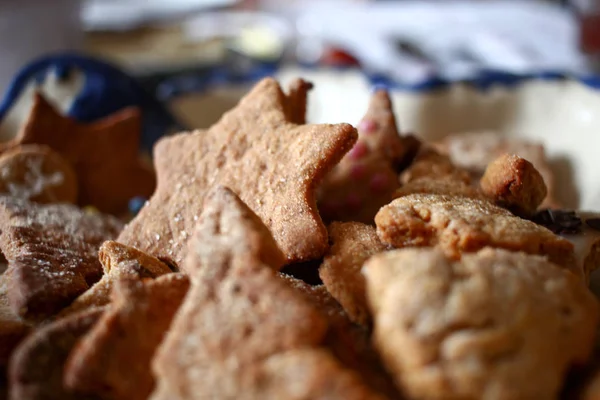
point(496, 324)
point(248, 241)
point(302, 374)
point(432, 185)
point(131, 329)
point(36, 367)
point(458, 225)
point(320, 298)
point(104, 154)
point(348, 342)
point(352, 243)
point(273, 165)
point(51, 252)
point(367, 176)
point(37, 173)
point(297, 100)
point(473, 151)
point(241, 315)
point(430, 164)
point(238, 310)
point(12, 328)
point(514, 183)
point(118, 262)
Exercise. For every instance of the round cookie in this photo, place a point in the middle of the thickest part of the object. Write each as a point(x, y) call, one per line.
point(494, 325)
point(37, 173)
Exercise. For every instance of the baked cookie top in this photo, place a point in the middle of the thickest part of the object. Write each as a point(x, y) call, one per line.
point(496, 324)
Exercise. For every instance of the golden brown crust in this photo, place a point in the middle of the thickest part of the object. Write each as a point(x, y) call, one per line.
point(496, 324)
point(459, 225)
point(51, 252)
point(367, 176)
point(37, 173)
point(352, 243)
point(118, 262)
point(514, 183)
point(36, 367)
point(271, 163)
point(113, 359)
point(112, 143)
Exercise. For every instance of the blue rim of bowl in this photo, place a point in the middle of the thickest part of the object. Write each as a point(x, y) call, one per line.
point(486, 79)
point(483, 80)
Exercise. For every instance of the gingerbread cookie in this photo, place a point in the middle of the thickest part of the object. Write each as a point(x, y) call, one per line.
point(104, 154)
point(51, 252)
point(12, 328)
point(459, 225)
point(448, 186)
point(242, 317)
point(430, 164)
point(367, 176)
point(297, 100)
point(37, 173)
point(36, 367)
point(349, 343)
point(473, 151)
point(496, 324)
point(249, 240)
point(118, 262)
point(271, 163)
point(514, 183)
point(302, 374)
point(100, 363)
point(352, 243)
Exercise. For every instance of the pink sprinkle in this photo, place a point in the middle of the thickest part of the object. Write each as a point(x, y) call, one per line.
point(367, 126)
point(359, 150)
point(353, 201)
point(357, 171)
point(379, 182)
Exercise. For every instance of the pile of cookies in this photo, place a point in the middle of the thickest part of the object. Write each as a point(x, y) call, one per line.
point(439, 272)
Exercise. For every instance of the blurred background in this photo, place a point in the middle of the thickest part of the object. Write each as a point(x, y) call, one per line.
point(182, 46)
point(522, 68)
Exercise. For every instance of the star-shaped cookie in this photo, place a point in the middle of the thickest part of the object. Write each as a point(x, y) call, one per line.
point(366, 178)
point(105, 154)
point(272, 163)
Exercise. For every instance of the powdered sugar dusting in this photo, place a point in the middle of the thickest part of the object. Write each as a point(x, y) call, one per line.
point(52, 251)
point(34, 181)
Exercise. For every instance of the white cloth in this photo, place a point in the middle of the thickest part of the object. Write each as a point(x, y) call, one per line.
point(455, 38)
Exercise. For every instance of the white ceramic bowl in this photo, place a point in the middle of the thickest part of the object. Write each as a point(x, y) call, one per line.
point(563, 115)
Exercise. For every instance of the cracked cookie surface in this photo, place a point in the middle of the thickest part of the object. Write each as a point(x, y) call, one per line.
point(497, 324)
point(459, 224)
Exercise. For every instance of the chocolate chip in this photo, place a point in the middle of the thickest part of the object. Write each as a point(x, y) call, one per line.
point(593, 223)
point(559, 221)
